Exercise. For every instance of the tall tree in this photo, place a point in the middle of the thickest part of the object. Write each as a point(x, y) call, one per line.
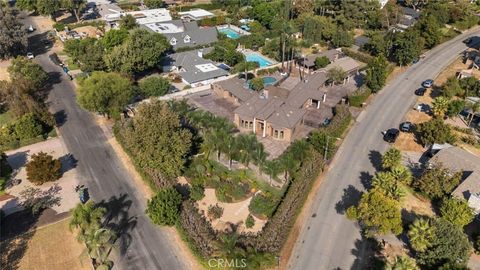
point(86, 217)
point(430, 30)
point(376, 73)
point(336, 75)
point(48, 7)
point(22, 68)
point(13, 38)
point(440, 106)
point(456, 211)
point(437, 182)
point(74, 6)
point(105, 93)
point(385, 183)
point(128, 22)
point(407, 47)
point(435, 131)
point(391, 159)
point(403, 263)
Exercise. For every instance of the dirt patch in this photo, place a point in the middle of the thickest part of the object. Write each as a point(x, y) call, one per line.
point(4, 76)
point(418, 205)
point(233, 213)
point(457, 66)
point(407, 142)
point(396, 71)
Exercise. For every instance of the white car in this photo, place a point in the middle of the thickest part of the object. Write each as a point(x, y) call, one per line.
point(30, 55)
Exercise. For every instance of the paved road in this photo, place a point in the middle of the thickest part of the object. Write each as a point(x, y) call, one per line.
point(142, 245)
point(329, 240)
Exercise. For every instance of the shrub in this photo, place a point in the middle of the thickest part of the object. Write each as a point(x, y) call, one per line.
point(163, 208)
point(257, 84)
point(197, 192)
point(321, 62)
point(340, 122)
point(249, 222)
point(231, 191)
point(359, 97)
point(435, 131)
point(215, 211)
point(27, 127)
point(154, 86)
point(43, 168)
point(437, 182)
point(59, 26)
point(263, 205)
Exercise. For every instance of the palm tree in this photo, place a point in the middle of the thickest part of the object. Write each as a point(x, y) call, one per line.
point(386, 184)
point(86, 217)
point(474, 108)
point(99, 244)
point(421, 234)
point(259, 157)
point(272, 168)
point(440, 106)
point(391, 158)
point(229, 148)
point(246, 144)
point(403, 263)
point(289, 165)
point(402, 174)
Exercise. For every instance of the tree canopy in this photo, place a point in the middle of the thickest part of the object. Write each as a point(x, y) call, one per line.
point(13, 38)
point(105, 93)
point(154, 86)
point(164, 208)
point(22, 68)
point(456, 211)
point(43, 168)
point(321, 62)
point(435, 131)
point(376, 73)
point(437, 181)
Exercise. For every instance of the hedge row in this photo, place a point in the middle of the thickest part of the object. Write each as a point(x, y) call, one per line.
point(359, 97)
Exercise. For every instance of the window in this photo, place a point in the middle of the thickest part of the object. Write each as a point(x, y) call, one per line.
point(186, 39)
point(281, 134)
point(275, 134)
point(173, 41)
point(250, 125)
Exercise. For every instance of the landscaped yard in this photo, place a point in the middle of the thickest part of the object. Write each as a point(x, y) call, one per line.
point(5, 118)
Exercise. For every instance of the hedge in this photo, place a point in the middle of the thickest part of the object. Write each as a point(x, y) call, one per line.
point(359, 97)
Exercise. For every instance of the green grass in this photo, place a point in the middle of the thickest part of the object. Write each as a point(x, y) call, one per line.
point(5, 118)
point(72, 65)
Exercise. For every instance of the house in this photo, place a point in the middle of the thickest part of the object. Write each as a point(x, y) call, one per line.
point(195, 14)
point(360, 41)
point(347, 64)
point(181, 34)
point(279, 113)
point(309, 60)
point(409, 18)
point(457, 159)
point(142, 17)
point(193, 68)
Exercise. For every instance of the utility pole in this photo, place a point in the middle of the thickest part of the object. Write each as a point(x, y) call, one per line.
point(326, 149)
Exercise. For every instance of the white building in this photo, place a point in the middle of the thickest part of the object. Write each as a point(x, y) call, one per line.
point(195, 14)
point(149, 16)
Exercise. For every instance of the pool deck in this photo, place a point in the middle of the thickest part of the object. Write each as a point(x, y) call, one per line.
point(250, 52)
point(235, 28)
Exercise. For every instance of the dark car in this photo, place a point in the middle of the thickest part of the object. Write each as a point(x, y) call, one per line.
point(467, 40)
point(406, 126)
point(326, 121)
point(391, 135)
point(420, 91)
point(427, 83)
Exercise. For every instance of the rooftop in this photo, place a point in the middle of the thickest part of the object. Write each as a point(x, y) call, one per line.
point(237, 87)
point(347, 64)
point(197, 13)
point(309, 60)
point(144, 16)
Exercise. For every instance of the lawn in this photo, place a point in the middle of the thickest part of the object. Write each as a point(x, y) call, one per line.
point(72, 65)
point(52, 247)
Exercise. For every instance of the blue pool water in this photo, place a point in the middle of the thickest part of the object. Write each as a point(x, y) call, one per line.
point(262, 62)
point(269, 81)
point(229, 32)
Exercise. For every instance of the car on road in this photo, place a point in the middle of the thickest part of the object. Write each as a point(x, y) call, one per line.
point(467, 40)
point(406, 126)
point(391, 135)
point(420, 91)
point(30, 55)
point(427, 83)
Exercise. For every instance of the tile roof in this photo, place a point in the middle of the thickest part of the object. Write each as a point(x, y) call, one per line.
point(236, 86)
point(309, 60)
point(347, 64)
point(309, 88)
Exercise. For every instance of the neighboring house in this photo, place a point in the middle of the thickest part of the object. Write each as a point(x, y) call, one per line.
point(409, 18)
point(347, 64)
point(456, 160)
point(309, 60)
point(181, 34)
point(143, 17)
point(195, 14)
point(193, 68)
point(279, 113)
point(360, 41)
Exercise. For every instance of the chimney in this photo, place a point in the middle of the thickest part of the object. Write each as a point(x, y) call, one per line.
point(200, 53)
point(324, 97)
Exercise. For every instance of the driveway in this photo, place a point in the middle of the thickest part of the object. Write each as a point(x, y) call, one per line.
point(142, 245)
point(328, 239)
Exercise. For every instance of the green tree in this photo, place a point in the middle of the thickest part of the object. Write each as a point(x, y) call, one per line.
point(450, 245)
point(154, 86)
point(154, 3)
point(440, 106)
point(43, 168)
point(452, 88)
point(474, 108)
point(27, 127)
point(128, 22)
point(435, 131)
point(113, 38)
point(421, 234)
point(378, 214)
point(337, 75)
point(402, 174)
point(197, 192)
point(86, 217)
point(27, 5)
point(272, 168)
point(140, 51)
point(321, 62)
point(157, 142)
point(74, 6)
point(407, 47)
point(99, 243)
point(376, 73)
point(403, 263)
point(88, 52)
point(22, 68)
point(429, 29)
point(47, 7)
point(13, 38)
point(437, 182)
point(385, 183)
point(456, 211)
point(455, 107)
point(164, 208)
point(264, 13)
point(342, 38)
point(105, 93)
point(257, 83)
point(249, 222)
point(391, 159)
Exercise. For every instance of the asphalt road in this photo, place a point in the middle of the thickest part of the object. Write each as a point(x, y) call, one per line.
point(141, 245)
point(328, 239)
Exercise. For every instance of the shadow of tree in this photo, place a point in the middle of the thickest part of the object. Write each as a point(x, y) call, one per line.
point(60, 117)
point(351, 196)
point(69, 162)
point(17, 230)
point(376, 159)
point(17, 160)
point(119, 220)
point(366, 179)
point(367, 254)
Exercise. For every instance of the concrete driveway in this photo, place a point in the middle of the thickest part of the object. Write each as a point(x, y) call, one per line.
point(328, 239)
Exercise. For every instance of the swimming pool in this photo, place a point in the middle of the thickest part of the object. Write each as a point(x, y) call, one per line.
point(262, 61)
point(229, 32)
point(269, 80)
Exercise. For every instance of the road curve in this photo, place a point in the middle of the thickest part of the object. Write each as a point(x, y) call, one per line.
point(142, 245)
point(329, 240)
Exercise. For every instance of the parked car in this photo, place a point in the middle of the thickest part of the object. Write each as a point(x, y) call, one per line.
point(406, 126)
point(427, 83)
point(326, 121)
point(391, 135)
point(420, 91)
point(467, 40)
point(30, 55)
